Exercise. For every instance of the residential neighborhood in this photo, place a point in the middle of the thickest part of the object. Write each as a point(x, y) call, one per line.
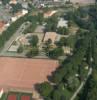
point(48, 49)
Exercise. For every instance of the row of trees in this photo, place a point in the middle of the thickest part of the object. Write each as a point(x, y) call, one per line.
point(10, 31)
point(90, 88)
point(51, 24)
point(34, 50)
point(16, 7)
point(89, 91)
point(5, 1)
point(64, 80)
point(14, 26)
point(73, 62)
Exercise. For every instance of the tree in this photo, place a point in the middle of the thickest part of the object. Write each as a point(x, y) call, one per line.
point(55, 53)
point(51, 24)
point(16, 7)
point(62, 42)
point(62, 30)
point(70, 66)
point(14, 26)
point(47, 45)
point(82, 71)
point(5, 1)
point(48, 98)
point(45, 89)
point(48, 42)
point(82, 12)
point(32, 52)
point(58, 76)
point(72, 83)
point(33, 40)
point(92, 92)
point(40, 18)
point(20, 49)
point(56, 95)
point(71, 23)
point(31, 28)
point(61, 93)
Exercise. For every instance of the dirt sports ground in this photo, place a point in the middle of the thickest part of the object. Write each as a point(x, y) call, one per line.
point(19, 96)
point(24, 73)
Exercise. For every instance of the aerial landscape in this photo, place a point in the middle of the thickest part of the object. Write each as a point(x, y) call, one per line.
point(48, 49)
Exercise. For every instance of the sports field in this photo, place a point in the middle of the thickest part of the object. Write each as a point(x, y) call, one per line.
point(24, 73)
point(17, 96)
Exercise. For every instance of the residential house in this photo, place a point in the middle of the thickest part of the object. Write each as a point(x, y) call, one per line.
point(49, 13)
point(62, 23)
point(19, 14)
point(49, 3)
point(67, 50)
point(13, 2)
point(2, 26)
point(24, 39)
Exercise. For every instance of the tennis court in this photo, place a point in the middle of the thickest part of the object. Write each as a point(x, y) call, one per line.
point(19, 96)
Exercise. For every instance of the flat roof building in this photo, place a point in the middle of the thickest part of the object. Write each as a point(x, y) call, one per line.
point(62, 23)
